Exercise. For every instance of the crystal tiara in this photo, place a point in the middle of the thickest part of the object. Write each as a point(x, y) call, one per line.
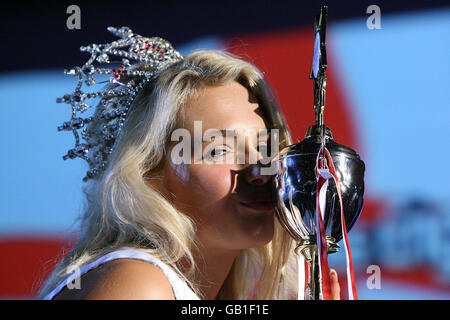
point(100, 130)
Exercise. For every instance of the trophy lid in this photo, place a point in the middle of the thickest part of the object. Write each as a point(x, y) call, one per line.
point(313, 141)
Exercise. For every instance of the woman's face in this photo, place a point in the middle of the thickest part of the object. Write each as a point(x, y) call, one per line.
point(231, 202)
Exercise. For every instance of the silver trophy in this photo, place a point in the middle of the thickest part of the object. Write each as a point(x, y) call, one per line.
point(296, 179)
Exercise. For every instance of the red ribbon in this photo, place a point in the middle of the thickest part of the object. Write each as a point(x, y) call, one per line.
point(322, 186)
point(324, 171)
point(352, 294)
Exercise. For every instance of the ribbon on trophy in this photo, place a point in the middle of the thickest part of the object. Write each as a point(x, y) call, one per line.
point(322, 175)
point(302, 266)
point(324, 171)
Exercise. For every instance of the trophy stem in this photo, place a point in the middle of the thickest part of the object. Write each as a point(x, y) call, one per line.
point(308, 248)
point(313, 287)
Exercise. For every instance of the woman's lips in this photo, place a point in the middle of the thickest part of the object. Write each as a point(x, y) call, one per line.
point(261, 206)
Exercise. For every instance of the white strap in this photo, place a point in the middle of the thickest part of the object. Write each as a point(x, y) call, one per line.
point(179, 286)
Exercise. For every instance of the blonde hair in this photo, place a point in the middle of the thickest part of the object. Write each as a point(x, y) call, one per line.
point(122, 210)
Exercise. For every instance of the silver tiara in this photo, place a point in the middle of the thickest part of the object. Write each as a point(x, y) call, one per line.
point(100, 130)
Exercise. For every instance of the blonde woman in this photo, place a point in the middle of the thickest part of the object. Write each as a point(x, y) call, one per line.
point(155, 227)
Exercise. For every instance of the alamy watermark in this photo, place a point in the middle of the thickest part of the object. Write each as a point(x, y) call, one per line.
point(226, 147)
point(374, 280)
point(73, 282)
point(74, 20)
point(374, 20)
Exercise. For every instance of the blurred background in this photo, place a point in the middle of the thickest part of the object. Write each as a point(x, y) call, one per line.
point(387, 98)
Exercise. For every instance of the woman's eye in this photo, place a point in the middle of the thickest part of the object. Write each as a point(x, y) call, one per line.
point(216, 152)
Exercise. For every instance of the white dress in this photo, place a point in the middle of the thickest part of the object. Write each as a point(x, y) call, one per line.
point(180, 288)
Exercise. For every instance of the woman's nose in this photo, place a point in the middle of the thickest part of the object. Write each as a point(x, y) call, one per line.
point(254, 176)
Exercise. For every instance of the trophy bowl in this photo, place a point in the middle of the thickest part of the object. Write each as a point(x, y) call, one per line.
point(296, 185)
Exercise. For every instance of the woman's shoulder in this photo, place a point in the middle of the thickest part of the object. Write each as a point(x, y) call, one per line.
point(122, 279)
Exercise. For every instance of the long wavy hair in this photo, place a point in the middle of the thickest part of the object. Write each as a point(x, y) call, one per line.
point(121, 209)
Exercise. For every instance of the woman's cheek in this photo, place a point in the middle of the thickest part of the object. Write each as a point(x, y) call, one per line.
point(198, 185)
point(213, 181)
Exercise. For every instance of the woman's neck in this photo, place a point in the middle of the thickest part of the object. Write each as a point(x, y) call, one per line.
point(212, 268)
